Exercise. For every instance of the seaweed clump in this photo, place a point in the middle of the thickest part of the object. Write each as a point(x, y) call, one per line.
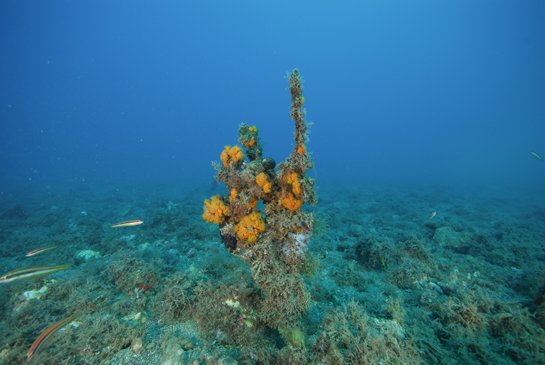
point(350, 336)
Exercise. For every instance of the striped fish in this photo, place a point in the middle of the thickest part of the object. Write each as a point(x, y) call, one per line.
point(51, 330)
point(40, 250)
point(536, 155)
point(432, 214)
point(31, 272)
point(134, 222)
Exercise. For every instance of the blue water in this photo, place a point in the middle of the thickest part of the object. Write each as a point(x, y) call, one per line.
point(434, 104)
point(123, 92)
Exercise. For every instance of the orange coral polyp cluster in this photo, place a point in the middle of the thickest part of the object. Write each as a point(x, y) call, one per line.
point(262, 181)
point(301, 149)
point(233, 195)
point(293, 179)
point(249, 227)
point(289, 202)
point(214, 210)
point(251, 143)
point(231, 154)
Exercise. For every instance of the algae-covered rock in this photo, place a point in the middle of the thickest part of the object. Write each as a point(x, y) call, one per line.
point(87, 254)
point(136, 317)
point(447, 236)
point(15, 212)
point(35, 294)
point(126, 210)
point(143, 246)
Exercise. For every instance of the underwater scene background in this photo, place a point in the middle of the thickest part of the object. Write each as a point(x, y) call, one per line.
point(314, 182)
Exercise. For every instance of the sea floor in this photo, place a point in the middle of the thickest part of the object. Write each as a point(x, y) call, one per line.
point(387, 285)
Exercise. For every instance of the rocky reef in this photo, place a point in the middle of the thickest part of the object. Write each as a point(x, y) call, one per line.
point(271, 237)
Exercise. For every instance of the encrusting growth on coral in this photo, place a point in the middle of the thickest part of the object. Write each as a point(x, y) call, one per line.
point(231, 154)
point(272, 240)
point(249, 227)
point(215, 210)
point(262, 180)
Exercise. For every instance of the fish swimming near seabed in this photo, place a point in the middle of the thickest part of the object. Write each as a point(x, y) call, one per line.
point(51, 330)
point(431, 216)
point(536, 155)
point(134, 222)
point(39, 250)
point(31, 272)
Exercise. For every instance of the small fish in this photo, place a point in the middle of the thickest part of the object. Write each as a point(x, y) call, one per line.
point(51, 330)
point(127, 223)
point(31, 272)
point(432, 214)
point(39, 250)
point(536, 155)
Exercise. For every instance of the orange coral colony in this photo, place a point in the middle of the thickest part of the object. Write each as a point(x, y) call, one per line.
point(214, 210)
point(293, 180)
point(289, 202)
point(233, 196)
point(263, 182)
point(301, 149)
point(249, 227)
point(232, 154)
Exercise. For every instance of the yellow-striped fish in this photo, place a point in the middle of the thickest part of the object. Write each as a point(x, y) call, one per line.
point(39, 250)
point(51, 330)
point(134, 222)
point(432, 214)
point(536, 155)
point(31, 272)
